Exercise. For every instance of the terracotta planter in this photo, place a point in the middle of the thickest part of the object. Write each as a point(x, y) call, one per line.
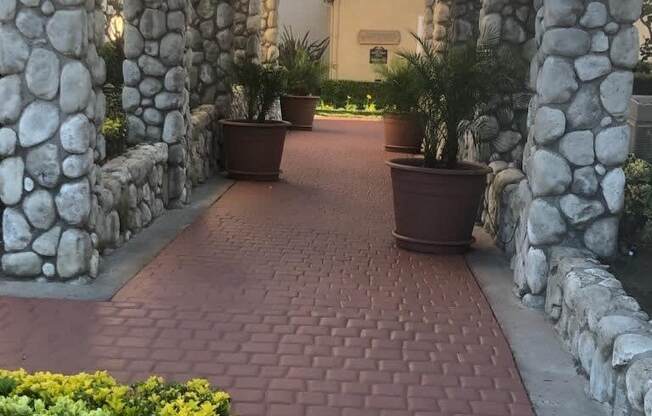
point(435, 209)
point(402, 133)
point(254, 151)
point(299, 110)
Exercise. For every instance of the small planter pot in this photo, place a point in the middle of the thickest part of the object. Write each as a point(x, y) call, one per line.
point(253, 151)
point(435, 209)
point(403, 133)
point(299, 111)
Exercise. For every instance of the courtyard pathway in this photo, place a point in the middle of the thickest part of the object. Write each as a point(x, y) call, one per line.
point(292, 297)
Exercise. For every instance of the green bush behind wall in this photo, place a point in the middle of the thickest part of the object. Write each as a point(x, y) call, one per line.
point(340, 93)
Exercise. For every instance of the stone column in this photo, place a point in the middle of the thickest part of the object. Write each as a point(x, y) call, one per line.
point(428, 22)
point(155, 96)
point(155, 92)
point(269, 31)
point(454, 22)
point(574, 193)
point(51, 107)
point(507, 28)
point(501, 130)
point(210, 39)
point(246, 30)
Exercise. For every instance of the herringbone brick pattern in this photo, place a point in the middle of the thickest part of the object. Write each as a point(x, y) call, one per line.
point(292, 297)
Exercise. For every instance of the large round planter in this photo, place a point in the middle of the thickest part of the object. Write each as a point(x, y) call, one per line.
point(403, 133)
point(253, 151)
point(435, 209)
point(299, 110)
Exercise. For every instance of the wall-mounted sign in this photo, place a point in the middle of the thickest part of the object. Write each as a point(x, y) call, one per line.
point(379, 37)
point(378, 55)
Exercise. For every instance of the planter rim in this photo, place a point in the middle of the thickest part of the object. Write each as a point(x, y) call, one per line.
point(407, 164)
point(301, 97)
point(266, 124)
point(398, 114)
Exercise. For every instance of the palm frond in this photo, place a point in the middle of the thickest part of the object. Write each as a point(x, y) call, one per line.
point(455, 82)
point(291, 45)
point(262, 85)
point(303, 60)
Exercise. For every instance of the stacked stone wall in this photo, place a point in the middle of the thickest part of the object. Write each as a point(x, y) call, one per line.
point(604, 329)
point(132, 191)
point(503, 205)
point(51, 107)
point(203, 144)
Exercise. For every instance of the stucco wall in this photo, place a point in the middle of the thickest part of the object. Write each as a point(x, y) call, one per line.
point(642, 31)
point(305, 15)
point(350, 59)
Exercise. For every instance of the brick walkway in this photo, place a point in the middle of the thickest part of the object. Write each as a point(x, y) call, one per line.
point(292, 297)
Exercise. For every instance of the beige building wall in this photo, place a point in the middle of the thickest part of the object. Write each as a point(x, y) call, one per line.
point(642, 31)
point(350, 59)
point(305, 15)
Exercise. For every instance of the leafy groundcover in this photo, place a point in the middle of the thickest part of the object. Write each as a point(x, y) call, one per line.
point(46, 394)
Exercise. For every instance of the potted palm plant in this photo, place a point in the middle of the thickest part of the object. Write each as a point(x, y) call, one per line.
point(254, 146)
point(399, 96)
point(437, 196)
point(306, 71)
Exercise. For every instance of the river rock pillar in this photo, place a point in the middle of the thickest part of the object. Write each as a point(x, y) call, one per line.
point(579, 139)
point(155, 96)
point(210, 38)
point(51, 108)
point(454, 22)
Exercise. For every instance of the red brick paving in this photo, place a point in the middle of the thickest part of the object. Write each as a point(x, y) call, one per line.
point(293, 297)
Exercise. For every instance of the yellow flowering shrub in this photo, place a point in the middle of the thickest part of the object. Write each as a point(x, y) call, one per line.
point(98, 394)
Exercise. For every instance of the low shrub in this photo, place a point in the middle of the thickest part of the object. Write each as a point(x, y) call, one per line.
point(351, 95)
point(400, 87)
point(98, 394)
point(637, 220)
point(113, 54)
point(113, 94)
point(643, 79)
point(302, 58)
point(304, 76)
point(642, 83)
point(261, 84)
point(114, 128)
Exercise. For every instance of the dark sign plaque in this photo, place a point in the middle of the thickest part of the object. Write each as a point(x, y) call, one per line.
point(378, 55)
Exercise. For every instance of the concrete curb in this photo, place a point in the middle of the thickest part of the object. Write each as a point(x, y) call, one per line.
point(548, 370)
point(125, 263)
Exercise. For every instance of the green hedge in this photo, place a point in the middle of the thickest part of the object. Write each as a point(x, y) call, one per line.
point(341, 93)
point(114, 128)
point(642, 83)
point(113, 54)
point(46, 394)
